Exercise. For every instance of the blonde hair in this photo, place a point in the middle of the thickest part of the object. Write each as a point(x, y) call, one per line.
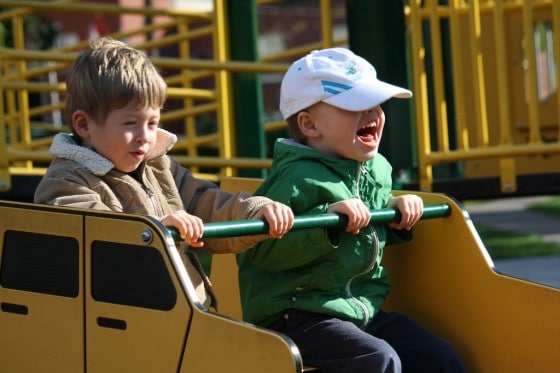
point(110, 75)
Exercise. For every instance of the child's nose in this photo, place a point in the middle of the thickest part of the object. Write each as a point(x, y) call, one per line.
point(142, 134)
point(373, 113)
point(369, 114)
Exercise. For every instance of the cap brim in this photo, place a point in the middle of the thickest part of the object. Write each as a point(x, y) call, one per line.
point(367, 95)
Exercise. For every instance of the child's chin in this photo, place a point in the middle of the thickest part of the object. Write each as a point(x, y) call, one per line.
point(128, 169)
point(367, 157)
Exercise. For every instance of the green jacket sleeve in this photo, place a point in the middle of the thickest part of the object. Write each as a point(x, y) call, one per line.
point(296, 249)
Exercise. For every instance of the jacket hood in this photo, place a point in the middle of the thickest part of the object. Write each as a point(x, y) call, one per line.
point(65, 146)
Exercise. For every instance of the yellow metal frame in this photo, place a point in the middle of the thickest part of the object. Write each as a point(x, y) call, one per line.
point(501, 126)
point(23, 72)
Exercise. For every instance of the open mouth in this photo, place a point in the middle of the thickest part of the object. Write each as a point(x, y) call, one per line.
point(368, 134)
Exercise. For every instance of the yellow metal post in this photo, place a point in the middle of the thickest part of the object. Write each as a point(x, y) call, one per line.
point(530, 63)
point(478, 73)
point(420, 84)
point(221, 54)
point(439, 91)
point(5, 178)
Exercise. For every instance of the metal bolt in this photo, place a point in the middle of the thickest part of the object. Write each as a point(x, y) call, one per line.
point(146, 236)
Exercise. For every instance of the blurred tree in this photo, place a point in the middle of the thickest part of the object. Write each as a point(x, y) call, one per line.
point(40, 32)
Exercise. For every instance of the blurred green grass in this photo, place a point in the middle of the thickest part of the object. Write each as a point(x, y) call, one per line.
point(551, 207)
point(503, 244)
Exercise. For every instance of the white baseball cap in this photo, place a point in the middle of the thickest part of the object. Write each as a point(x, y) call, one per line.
point(338, 77)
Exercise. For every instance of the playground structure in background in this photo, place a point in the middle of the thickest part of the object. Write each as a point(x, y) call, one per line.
point(483, 121)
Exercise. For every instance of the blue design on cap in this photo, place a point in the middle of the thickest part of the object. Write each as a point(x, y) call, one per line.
point(351, 67)
point(334, 87)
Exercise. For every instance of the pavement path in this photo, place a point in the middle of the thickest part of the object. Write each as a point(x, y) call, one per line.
point(512, 214)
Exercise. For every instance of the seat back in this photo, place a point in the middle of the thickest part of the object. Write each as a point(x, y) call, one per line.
point(446, 280)
point(224, 266)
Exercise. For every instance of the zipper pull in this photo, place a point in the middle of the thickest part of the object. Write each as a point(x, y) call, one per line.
point(363, 170)
point(148, 191)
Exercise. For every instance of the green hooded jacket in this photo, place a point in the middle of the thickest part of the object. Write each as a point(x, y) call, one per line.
point(327, 271)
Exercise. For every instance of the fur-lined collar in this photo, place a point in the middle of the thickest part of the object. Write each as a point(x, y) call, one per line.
point(64, 146)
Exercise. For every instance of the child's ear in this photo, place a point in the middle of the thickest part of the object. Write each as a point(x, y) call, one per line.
point(80, 123)
point(306, 124)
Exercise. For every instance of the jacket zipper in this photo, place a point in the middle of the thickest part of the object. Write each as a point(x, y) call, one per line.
point(150, 194)
point(372, 264)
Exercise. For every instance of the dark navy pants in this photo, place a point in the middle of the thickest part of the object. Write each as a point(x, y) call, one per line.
point(391, 343)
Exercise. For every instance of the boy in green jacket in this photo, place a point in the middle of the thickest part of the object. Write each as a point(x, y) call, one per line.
point(325, 288)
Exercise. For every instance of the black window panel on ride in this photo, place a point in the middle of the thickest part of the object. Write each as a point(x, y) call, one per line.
point(131, 275)
point(40, 263)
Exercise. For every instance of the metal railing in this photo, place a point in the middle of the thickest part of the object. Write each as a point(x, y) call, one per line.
point(199, 105)
point(486, 87)
point(25, 72)
point(483, 75)
point(331, 220)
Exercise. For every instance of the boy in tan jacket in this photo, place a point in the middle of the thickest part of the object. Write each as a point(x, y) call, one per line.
point(115, 159)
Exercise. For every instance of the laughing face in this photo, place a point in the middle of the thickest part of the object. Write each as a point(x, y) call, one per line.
point(344, 134)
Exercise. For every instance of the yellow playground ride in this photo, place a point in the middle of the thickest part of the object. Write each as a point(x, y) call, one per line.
point(82, 290)
point(76, 294)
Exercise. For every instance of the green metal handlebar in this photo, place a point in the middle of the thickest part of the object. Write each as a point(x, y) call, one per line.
point(258, 226)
